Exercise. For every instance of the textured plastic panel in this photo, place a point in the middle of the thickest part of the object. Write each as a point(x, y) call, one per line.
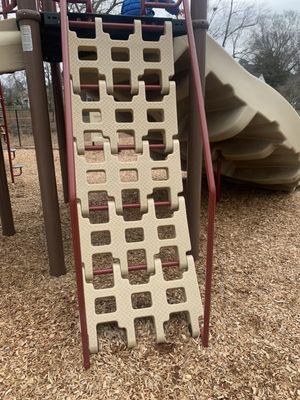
point(151, 241)
point(134, 55)
point(146, 180)
point(105, 115)
point(160, 309)
point(105, 175)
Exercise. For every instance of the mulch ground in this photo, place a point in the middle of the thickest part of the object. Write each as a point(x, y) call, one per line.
point(255, 330)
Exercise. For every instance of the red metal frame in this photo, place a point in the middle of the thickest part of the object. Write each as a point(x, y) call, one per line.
point(7, 7)
point(154, 4)
point(137, 267)
point(72, 183)
point(218, 175)
point(203, 131)
point(104, 207)
point(7, 138)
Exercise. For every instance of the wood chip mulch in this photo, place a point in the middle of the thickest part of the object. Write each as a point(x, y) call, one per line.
point(254, 348)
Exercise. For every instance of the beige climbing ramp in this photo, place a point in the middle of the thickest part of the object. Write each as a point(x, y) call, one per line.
point(104, 119)
point(146, 178)
point(150, 238)
point(111, 58)
point(118, 303)
point(107, 116)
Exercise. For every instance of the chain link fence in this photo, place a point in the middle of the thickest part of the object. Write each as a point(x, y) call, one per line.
point(20, 128)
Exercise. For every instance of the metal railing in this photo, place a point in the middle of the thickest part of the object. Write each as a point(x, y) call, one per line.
point(203, 132)
point(8, 7)
point(6, 134)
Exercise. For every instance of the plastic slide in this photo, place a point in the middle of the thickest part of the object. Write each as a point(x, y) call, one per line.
point(256, 130)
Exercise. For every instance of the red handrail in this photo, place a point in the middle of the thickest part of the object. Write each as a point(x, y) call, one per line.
point(207, 155)
point(155, 4)
point(8, 7)
point(72, 182)
point(7, 138)
point(209, 171)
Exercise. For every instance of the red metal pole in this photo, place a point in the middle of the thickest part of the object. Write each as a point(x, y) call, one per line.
point(209, 171)
point(137, 267)
point(3, 107)
point(72, 183)
point(219, 176)
point(6, 215)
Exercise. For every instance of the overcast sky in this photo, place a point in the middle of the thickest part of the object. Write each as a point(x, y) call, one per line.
point(280, 5)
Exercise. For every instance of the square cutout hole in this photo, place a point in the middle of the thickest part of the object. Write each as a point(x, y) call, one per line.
point(121, 76)
point(138, 277)
point(134, 235)
point(94, 177)
point(101, 238)
point(105, 305)
point(102, 261)
point(129, 175)
point(155, 115)
point(103, 281)
point(126, 137)
point(124, 116)
point(91, 116)
point(172, 273)
point(89, 76)
point(87, 53)
point(166, 232)
point(160, 174)
point(176, 295)
point(141, 300)
point(120, 54)
point(151, 55)
point(136, 257)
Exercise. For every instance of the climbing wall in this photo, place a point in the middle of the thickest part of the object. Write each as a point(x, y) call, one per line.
point(130, 202)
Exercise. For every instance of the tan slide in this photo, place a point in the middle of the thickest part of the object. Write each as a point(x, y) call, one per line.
point(254, 127)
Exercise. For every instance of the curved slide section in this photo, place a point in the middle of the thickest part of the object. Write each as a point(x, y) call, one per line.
point(256, 130)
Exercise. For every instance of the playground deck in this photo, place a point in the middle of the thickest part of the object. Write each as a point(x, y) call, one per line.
point(253, 352)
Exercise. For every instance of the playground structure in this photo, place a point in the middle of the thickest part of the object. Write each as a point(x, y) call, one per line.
point(102, 103)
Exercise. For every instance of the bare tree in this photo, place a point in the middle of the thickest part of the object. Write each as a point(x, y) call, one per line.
point(99, 6)
point(231, 21)
point(275, 47)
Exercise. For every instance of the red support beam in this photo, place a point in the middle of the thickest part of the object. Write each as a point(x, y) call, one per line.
point(132, 268)
point(104, 207)
point(6, 215)
point(72, 183)
point(7, 138)
point(203, 132)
